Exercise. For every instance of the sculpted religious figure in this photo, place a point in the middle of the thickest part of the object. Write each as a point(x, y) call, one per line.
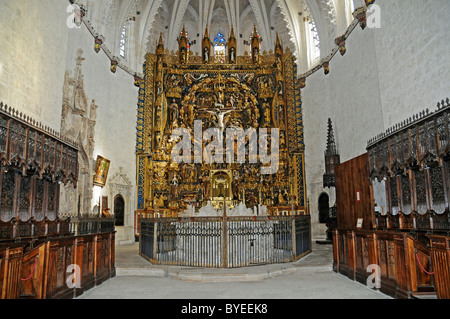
point(232, 55)
point(219, 103)
point(279, 65)
point(183, 56)
point(206, 55)
point(236, 184)
point(174, 187)
point(255, 56)
point(220, 117)
point(281, 200)
point(191, 114)
point(158, 117)
point(160, 201)
point(205, 181)
point(256, 115)
point(232, 101)
point(159, 88)
point(182, 114)
point(280, 87)
point(174, 111)
point(266, 108)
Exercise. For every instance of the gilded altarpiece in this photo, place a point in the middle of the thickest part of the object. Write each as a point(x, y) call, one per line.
point(245, 93)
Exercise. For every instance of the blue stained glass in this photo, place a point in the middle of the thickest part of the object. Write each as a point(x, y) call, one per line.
point(216, 39)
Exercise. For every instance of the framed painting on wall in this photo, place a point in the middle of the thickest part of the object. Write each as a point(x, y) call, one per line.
point(101, 171)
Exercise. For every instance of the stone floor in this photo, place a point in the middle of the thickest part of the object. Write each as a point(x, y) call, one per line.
point(309, 278)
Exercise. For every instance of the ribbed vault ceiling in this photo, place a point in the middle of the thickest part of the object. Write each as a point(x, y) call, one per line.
point(150, 18)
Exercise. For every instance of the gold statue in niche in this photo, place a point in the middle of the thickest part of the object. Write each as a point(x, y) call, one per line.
point(221, 186)
point(237, 94)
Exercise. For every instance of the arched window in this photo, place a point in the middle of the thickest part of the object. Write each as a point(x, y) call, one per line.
point(312, 40)
point(119, 210)
point(123, 42)
point(219, 47)
point(349, 8)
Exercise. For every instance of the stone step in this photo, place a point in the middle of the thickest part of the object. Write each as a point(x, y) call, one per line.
point(254, 273)
point(141, 272)
point(424, 295)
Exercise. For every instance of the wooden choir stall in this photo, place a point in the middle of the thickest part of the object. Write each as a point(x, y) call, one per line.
point(393, 209)
point(43, 256)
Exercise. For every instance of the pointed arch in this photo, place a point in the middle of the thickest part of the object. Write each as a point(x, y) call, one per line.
point(349, 8)
point(119, 210)
point(176, 21)
point(124, 12)
point(287, 9)
point(312, 37)
point(145, 27)
point(260, 12)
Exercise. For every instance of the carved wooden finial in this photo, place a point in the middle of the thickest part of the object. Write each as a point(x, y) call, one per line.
point(331, 143)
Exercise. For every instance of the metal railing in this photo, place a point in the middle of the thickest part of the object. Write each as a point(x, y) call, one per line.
point(225, 242)
point(91, 225)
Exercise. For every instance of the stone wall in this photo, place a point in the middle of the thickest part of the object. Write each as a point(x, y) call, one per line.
point(115, 128)
point(33, 45)
point(413, 60)
point(387, 75)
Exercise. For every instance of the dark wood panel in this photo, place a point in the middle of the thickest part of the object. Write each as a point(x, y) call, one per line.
point(11, 270)
point(84, 258)
point(30, 271)
point(32, 276)
point(440, 257)
point(407, 266)
point(354, 194)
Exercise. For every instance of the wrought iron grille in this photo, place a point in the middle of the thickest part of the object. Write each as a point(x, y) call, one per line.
point(302, 236)
point(228, 243)
point(87, 226)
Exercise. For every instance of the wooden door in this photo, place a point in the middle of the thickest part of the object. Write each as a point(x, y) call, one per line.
point(354, 194)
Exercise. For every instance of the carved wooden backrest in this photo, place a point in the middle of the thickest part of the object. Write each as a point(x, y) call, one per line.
point(64, 226)
point(407, 221)
point(40, 228)
point(24, 228)
point(52, 228)
point(441, 221)
point(6, 230)
point(418, 149)
point(11, 272)
point(393, 221)
point(438, 189)
point(381, 221)
point(15, 229)
point(423, 221)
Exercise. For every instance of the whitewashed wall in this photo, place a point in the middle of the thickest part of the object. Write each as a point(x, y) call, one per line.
point(33, 45)
point(413, 59)
point(115, 130)
point(387, 75)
